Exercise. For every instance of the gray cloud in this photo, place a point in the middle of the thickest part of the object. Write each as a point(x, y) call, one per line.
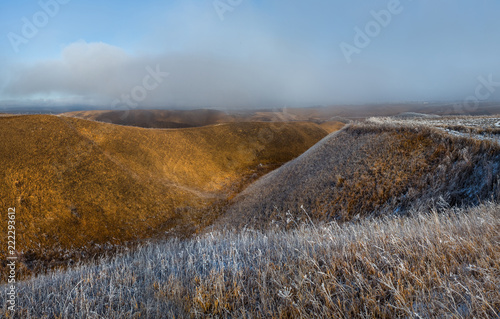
point(96, 74)
point(102, 73)
point(287, 54)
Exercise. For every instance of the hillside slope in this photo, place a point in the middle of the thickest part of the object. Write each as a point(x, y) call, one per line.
point(427, 266)
point(83, 184)
point(371, 170)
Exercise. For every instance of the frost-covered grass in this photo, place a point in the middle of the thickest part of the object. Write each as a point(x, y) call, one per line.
point(477, 127)
point(372, 170)
point(428, 265)
point(469, 121)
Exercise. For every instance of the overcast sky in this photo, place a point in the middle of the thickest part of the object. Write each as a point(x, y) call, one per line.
point(246, 53)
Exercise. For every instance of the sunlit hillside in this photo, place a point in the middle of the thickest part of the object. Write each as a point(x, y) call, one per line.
point(90, 185)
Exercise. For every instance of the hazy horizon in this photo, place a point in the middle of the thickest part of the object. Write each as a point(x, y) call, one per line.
point(246, 54)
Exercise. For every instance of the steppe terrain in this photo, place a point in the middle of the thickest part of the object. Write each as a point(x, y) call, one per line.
point(382, 167)
point(81, 187)
point(392, 216)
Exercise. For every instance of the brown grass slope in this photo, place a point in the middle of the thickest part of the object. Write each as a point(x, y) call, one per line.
point(83, 184)
point(372, 170)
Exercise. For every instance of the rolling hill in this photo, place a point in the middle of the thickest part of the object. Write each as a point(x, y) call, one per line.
point(156, 118)
point(428, 263)
point(79, 186)
point(371, 170)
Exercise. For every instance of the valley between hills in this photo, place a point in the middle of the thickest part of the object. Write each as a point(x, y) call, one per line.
point(268, 216)
point(81, 187)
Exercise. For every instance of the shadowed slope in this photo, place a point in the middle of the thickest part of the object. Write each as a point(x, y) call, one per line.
point(202, 117)
point(81, 184)
point(371, 170)
point(156, 118)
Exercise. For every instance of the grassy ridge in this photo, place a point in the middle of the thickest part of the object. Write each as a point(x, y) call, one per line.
point(203, 117)
point(373, 170)
point(426, 266)
point(89, 185)
point(427, 263)
point(156, 118)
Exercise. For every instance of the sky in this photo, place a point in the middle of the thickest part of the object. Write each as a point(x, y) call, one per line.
point(247, 53)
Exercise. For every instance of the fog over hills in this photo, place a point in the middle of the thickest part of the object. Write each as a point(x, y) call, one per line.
point(249, 159)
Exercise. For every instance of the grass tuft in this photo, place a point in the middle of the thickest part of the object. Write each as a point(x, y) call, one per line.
point(425, 266)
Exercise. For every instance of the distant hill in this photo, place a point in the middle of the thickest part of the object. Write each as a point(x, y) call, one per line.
point(156, 118)
point(368, 170)
point(202, 117)
point(84, 184)
point(410, 115)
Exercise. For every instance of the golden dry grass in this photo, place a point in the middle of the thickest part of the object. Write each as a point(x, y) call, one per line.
point(81, 186)
point(425, 264)
point(332, 126)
